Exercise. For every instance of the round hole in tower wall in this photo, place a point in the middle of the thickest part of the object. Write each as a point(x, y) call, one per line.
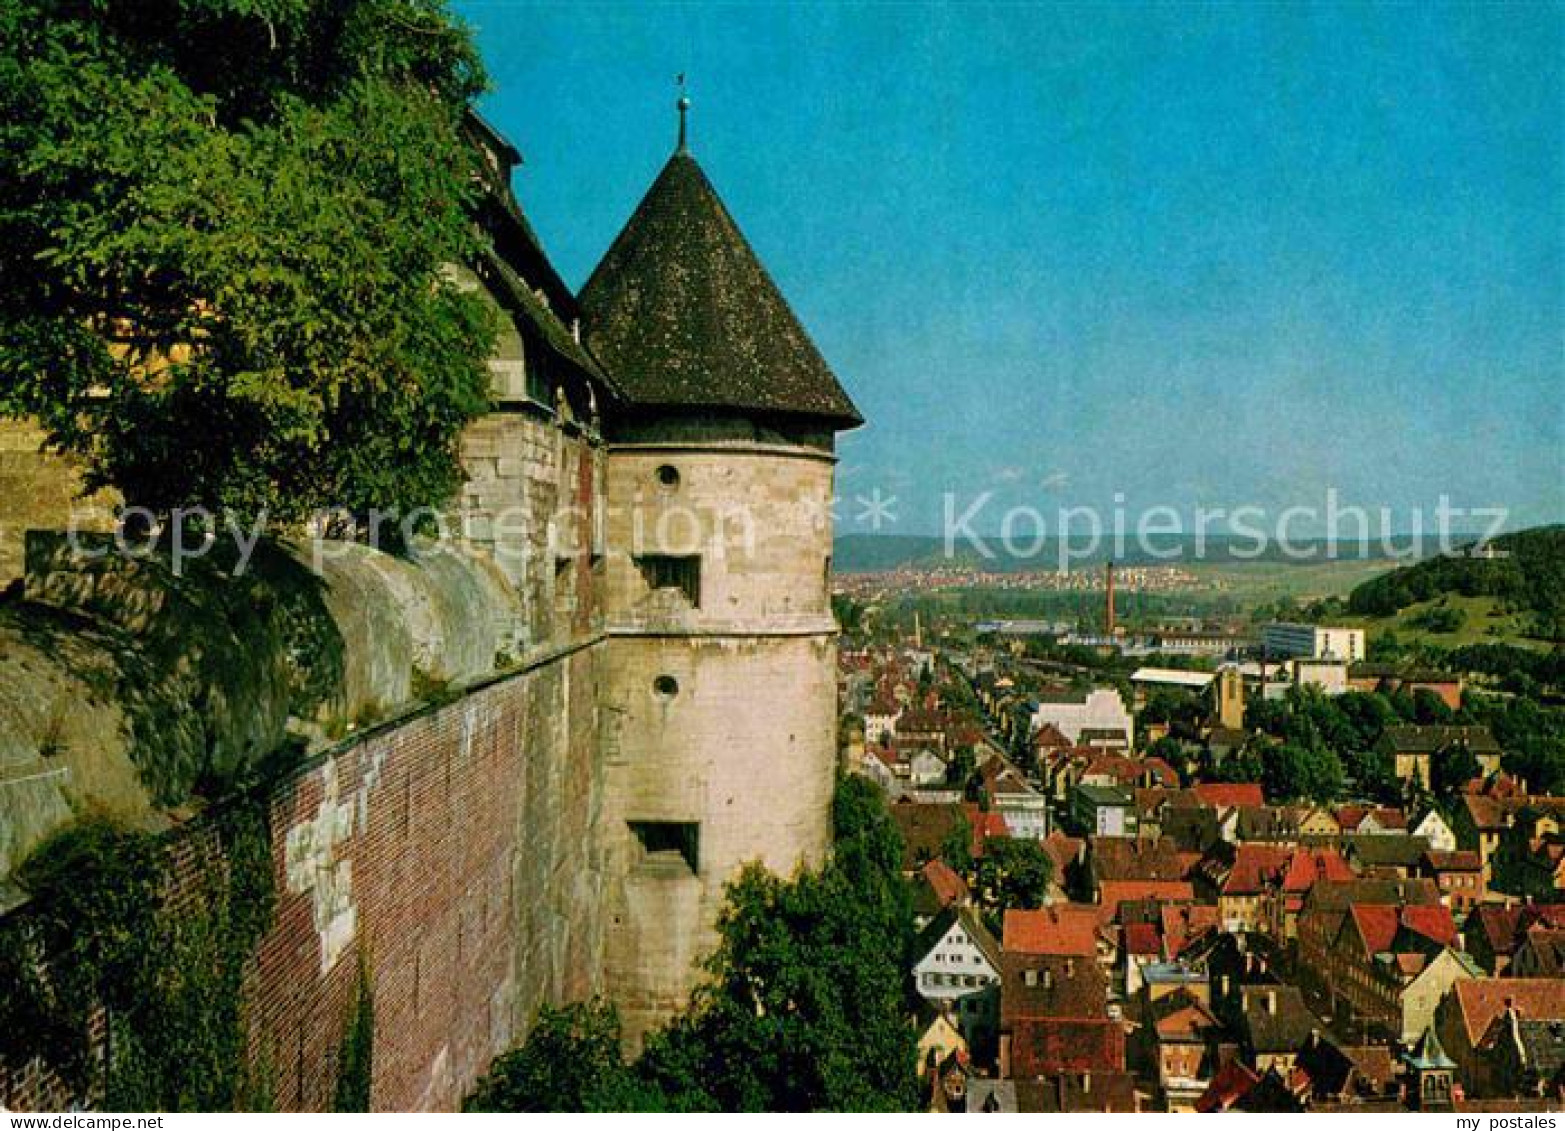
point(665, 687)
point(667, 476)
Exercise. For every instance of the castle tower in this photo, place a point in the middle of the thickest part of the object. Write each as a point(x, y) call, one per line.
point(719, 708)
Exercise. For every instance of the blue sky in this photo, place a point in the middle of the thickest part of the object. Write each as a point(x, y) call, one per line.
point(1192, 255)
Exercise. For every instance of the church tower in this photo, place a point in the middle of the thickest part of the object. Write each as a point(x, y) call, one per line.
point(719, 702)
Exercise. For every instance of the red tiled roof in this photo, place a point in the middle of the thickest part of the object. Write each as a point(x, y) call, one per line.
point(1111, 893)
point(1308, 866)
point(948, 887)
point(1183, 924)
point(1501, 785)
point(1050, 735)
point(1232, 1082)
point(887, 758)
point(984, 826)
point(1064, 851)
point(1480, 1000)
point(1077, 1092)
point(1227, 795)
point(1181, 1015)
point(1043, 1045)
point(1064, 929)
point(1128, 858)
point(924, 827)
point(1454, 861)
point(1350, 817)
point(965, 734)
point(1143, 938)
point(1432, 921)
point(1162, 772)
point(1126, 770)
point(1378, 924)
point(1122, 769)
point(1255, 867)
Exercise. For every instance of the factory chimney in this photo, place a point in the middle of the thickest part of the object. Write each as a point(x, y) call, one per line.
point(1108, 586)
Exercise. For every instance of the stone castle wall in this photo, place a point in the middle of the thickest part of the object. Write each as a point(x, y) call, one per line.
point(455, 852)
point(456, 849)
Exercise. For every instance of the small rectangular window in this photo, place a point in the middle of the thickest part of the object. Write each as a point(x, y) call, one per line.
point(539, 378)
point(667, 841)
point(670, 571)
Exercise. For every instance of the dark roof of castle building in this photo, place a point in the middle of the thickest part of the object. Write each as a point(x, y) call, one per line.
point(682, 313)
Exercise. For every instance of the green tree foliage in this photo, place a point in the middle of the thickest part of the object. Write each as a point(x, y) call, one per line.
point(1441, 618)
point(805, 1010)
point(1452, 770)
point(962, 773)
point(957, 847)
point(570, 1063)
point(1531, 734)
point(1528, 572)
point(1012, 874)
point(1431, 710)
point(1515, 668)
point(867, 853)
point(223, 228)
point(1318, 740)
point(849, 613)
point(1293, 771)
point(1243, 765)
point(1181, 710)
point(1170, 750)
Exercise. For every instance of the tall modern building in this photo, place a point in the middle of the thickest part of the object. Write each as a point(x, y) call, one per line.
point(719, 704)
point(1312, 642)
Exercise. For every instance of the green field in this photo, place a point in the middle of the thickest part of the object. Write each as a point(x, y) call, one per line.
point(1483, 622)
point(1228, 588)
point(1261, 583)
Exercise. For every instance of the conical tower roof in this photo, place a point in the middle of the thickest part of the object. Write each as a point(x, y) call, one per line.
point(682, 314)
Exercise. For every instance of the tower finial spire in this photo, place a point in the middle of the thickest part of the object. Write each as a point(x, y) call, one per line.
point(684, 108)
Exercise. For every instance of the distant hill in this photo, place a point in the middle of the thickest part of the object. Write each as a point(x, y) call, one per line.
point(873, 553)
point(1524, 570)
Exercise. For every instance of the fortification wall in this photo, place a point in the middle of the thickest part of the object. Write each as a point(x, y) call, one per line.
point(456, 853)
point(454, 846)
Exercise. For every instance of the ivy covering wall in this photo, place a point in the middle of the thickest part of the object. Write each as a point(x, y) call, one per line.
point(126, 972)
